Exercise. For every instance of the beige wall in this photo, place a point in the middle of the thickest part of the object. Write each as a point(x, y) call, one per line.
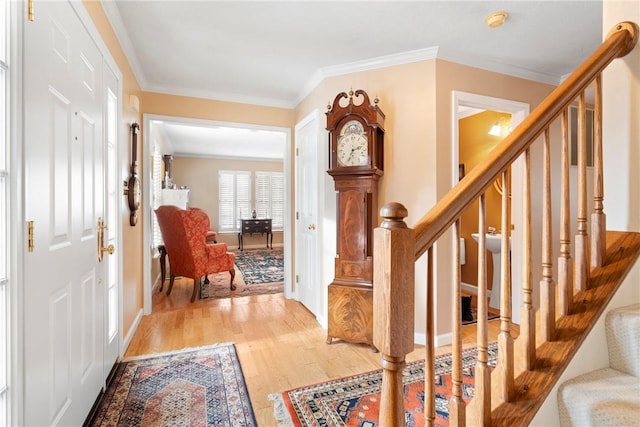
point(407, 98)
point(417, 101)
point(201, 176)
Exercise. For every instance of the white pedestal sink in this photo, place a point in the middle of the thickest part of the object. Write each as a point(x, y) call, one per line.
point(494, 245)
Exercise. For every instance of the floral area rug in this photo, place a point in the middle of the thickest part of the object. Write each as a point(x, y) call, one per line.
point(355, 400)
point(194, 387)
point(258, 272)
point(261, 266)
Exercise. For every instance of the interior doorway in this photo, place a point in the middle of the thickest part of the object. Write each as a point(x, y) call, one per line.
point(201, 146)
point(466, 105)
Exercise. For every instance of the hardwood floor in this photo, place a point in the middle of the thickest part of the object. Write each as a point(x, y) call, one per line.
point(279, 342)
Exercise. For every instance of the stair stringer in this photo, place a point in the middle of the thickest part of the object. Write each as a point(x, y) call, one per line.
point(594, 352)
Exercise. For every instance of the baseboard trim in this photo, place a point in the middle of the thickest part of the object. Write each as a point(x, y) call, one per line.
point(472, 289)
point(444, 339)
point(131, 333)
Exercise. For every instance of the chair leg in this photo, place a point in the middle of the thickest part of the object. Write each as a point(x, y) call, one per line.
point(196, 288)
point(233, 274)
point(163, 264)
point(171, 280)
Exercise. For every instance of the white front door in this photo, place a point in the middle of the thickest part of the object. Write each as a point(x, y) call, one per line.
point(307, 254)
point(64, 282)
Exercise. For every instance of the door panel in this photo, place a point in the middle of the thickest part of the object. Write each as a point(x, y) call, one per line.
point(307, 255)
point(64, 313)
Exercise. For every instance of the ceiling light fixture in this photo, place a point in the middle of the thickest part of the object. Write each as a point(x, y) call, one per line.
point(496, 129)
point(502, 127)
point(496, 19)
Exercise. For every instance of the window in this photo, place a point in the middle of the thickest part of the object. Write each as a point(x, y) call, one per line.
point(234, 199)
point(156, 166)
point(270, 197)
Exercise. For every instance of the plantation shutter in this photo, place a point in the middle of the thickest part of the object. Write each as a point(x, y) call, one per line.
point(157, 188)
point(277, 201)
point(270, 197)
point(234, 199)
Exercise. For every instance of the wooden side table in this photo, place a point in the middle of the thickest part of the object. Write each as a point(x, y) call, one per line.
point(250, 226)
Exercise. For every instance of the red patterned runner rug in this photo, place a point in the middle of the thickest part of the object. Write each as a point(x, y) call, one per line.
point(355, 400)
point(193, 387)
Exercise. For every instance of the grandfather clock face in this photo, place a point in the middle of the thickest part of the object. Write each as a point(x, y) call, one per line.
point(353, 145)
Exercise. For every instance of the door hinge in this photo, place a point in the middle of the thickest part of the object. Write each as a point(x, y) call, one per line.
point(30, 11)
point(30, 236)
point(297, 278)
point(297, 215)
point(297, 151)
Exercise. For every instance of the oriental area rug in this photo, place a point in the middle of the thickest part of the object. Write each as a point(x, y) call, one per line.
point(257, 272)
point(197, 387)
point(355, 400)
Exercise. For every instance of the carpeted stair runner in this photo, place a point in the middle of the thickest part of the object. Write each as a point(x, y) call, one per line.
point(609, 396)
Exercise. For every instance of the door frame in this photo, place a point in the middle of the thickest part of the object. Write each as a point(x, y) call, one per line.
point(518, 111)
point(17, 219)
point(147, 190)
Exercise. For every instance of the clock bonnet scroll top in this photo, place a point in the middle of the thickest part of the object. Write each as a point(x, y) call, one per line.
point(356, 134)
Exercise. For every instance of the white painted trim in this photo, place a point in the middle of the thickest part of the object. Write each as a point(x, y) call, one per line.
point(17, 220)
point(439, 341)
point(222, 96)
point(497, 67)
point(205, 156)
point(365, 65)
point(114, 18)
point(132, 331)
point(471, 289)
point(313, 116)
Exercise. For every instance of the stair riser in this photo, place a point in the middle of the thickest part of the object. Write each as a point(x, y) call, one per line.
point(623, 338)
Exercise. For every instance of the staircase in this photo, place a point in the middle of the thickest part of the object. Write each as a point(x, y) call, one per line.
point(608, 396)
point(575, 288)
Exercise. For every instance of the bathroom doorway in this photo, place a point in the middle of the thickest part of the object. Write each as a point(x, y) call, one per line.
point(480, 123)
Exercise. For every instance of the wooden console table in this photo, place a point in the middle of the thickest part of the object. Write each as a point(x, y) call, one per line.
point(250, 226)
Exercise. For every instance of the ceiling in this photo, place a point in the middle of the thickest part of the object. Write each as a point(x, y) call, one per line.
point(275, 52)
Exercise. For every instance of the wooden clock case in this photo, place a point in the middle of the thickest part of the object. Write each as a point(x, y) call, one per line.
point(350, 297)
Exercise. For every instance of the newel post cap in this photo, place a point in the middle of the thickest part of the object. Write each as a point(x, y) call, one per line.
point(393, 215)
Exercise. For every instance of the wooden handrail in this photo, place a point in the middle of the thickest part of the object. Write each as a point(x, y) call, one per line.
point(618, 43)
point(397, 247)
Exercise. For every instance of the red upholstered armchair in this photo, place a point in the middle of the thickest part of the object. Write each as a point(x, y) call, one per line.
point(184, 233)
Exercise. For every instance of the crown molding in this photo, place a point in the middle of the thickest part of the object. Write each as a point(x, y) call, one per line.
point(120, 31)
point(498, 67)
point(366, 65)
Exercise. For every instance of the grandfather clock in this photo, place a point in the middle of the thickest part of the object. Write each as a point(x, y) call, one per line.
point(356, 143)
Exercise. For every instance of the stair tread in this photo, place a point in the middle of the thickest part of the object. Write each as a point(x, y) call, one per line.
point(531, 387)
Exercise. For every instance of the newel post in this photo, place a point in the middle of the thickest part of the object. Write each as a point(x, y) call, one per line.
point(393, 306)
